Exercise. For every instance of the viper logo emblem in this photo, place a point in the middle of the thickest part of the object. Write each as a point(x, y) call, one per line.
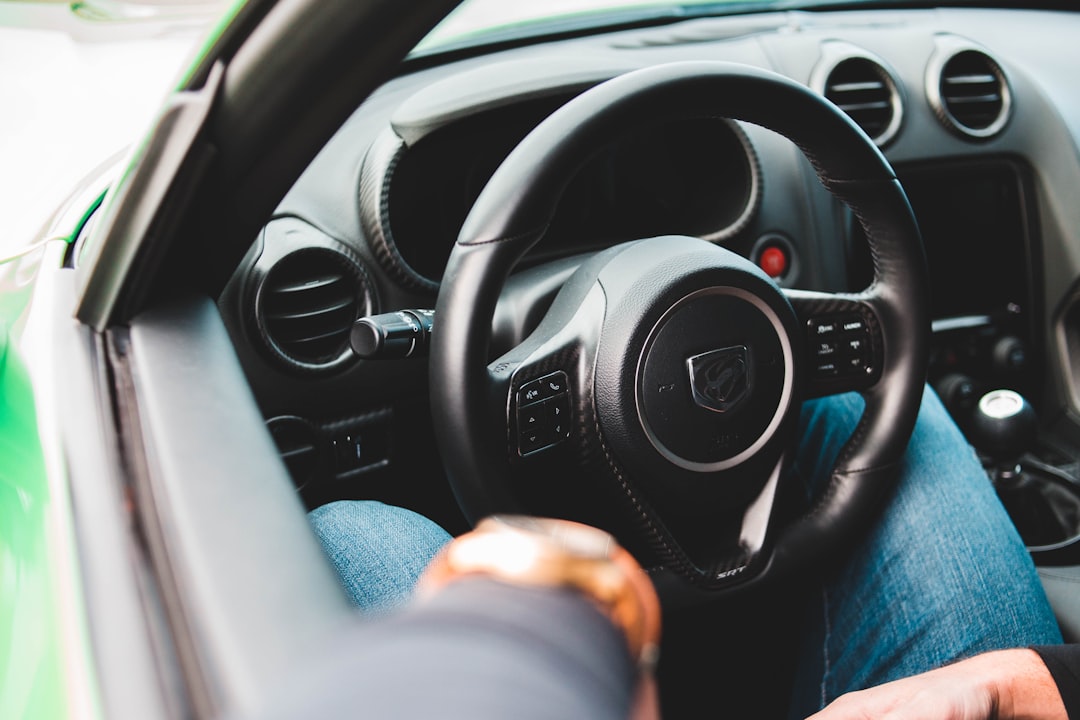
point(720, 379)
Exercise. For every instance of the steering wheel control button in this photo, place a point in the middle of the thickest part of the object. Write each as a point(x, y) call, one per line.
point(827, 369)
point(543, 413)
point(852, 324)
point(529, 441)
point(822, 329)
point(554, 384)
point(542, 388)
point(559, 415)
point(825, 349)
point(846, 353)
point(532, 417)
point(530, 392)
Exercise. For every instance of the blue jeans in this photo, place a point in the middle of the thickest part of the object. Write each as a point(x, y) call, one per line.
point(378, 550)
point(943, 575)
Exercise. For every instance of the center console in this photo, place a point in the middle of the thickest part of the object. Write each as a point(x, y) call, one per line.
point(981, 251)
point(986, 362)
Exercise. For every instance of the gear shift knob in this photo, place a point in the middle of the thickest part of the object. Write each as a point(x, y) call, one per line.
point(1003, 425)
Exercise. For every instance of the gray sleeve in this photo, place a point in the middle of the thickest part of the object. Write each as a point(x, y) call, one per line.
point(480, 649)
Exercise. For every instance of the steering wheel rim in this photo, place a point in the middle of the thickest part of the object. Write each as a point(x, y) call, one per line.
point(469, 396)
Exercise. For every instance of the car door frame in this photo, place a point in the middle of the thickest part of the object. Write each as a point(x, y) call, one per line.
point(225, 590)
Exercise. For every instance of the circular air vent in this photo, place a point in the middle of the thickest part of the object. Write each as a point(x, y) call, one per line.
point(863, 88)
point(306, 304)
point(969, 92)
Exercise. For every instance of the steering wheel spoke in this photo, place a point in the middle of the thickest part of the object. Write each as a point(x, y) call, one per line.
point(844, 346)
point(541, 382)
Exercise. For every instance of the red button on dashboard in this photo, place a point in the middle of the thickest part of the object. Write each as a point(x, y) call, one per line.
point(774, 261)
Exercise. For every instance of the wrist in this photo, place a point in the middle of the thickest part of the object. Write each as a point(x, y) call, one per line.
point(1021, 685)
point(545, 553)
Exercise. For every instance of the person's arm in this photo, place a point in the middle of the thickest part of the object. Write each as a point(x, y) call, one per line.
point(1001, 685)
point(478, 649)
point(521, 618)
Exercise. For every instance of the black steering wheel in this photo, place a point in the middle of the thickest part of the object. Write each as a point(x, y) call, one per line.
point(659, 396)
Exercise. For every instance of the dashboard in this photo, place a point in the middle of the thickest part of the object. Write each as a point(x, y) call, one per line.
point(976, 110)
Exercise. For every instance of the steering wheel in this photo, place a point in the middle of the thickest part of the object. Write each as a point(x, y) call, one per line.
point(659, 396)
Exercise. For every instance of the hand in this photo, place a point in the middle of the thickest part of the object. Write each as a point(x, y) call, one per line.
point(1001, 685)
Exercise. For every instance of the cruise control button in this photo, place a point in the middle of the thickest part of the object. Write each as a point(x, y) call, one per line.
point(855, 364)
point(826, 369)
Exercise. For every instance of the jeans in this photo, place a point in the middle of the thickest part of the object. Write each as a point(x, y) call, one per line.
point(943, 574)
point(378, 550)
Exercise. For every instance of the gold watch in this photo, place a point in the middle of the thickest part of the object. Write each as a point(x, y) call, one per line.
point(544, 552)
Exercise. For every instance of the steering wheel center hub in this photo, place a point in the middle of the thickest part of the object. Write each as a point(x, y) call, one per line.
point(714, 379)
point(695, 367)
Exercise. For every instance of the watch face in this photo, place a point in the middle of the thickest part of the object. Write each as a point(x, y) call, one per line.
point(582, 540)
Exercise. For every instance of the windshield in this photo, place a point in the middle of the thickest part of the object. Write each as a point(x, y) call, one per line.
point(483, 21)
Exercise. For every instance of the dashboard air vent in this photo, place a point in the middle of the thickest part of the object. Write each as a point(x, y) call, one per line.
point(970, 94)
point(864, 91)
point(863, 88)
point(305, 305)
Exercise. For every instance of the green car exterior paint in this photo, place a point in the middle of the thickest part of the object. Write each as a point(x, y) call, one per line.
point(44, 659)
point(46, 670)
point(46, 662)
point(31, 649)
point(43, 666)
